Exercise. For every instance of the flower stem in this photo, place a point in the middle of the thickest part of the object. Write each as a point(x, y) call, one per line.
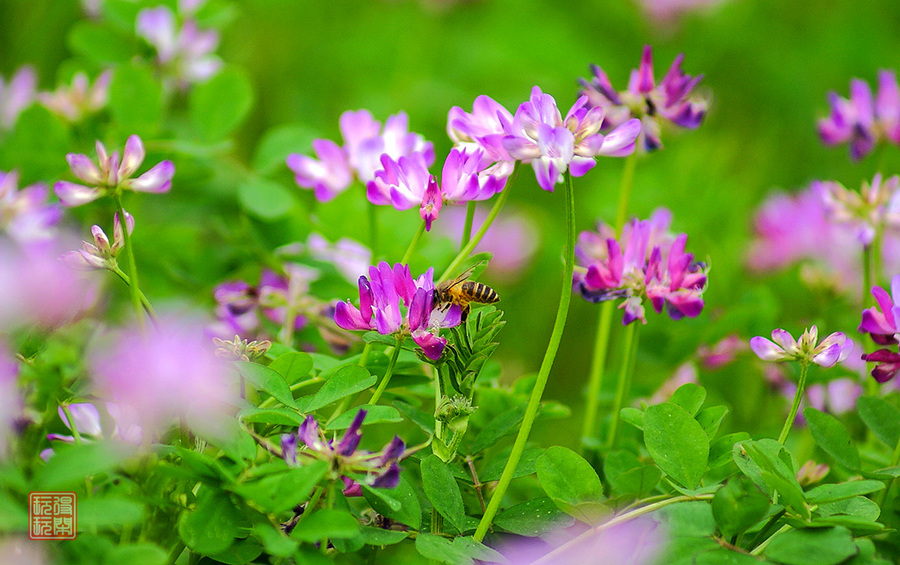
point(468, 247)
point(133, 287)
point(467, 228)
point(144, 302)
point(895, 459)
point(551, 557)
point(868, 266)
point(604, 324)
point(624, 382)
point(387, 375)
point(534, 400)
point(595, 380)
point(801, 385)
point(413, 243)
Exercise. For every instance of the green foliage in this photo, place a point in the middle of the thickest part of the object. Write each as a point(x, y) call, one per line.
point(571, 483)
point(219, 105)
point(825, 546)
point(833, 437)
point(442, 491)
point(470, 347)
point(739, 505)
point(676, 442)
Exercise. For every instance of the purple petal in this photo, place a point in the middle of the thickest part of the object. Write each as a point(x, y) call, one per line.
point(352, 436)
point(71, 194)
point(85, 416)
point(83, 168)
point(346, 316)
point(132, 157)
point(156, 180)
point(766, 350)
point(388, 479)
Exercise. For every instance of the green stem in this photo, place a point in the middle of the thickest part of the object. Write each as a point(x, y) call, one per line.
point(762, 547)
point(144, 302)
point(412, 244)
point(133, 287)
point(437, 522)
point(604, 324)
point(624, 382)
point(595, 380)
point(895, 460)
point(801, 385)
point(387, 375)
point(71, 421)
point(877, 268)
point(588, 535)
point(467, 228)
point(543, 374)
point(868, 266)
point(470, 246)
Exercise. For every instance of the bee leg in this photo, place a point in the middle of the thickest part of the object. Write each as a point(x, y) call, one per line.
point(464, 314)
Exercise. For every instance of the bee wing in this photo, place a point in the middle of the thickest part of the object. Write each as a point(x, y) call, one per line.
point(459, 279)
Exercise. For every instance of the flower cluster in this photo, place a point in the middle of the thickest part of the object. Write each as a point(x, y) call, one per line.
point(75, 101)
point(100, 254)
point(832, 350)
point(25, 213)
point(381, 296)
point(113, 174)
point(869, 212)
point(648, 263)
point(185, 53)
point(344, 460)
point(881, 323)
point(862, 121)
point(671, 99)
point(360, 157)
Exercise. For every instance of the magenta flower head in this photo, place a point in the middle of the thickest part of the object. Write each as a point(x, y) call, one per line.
point(832, 350)
point(391, 302)
point(80, 99)
point(875, 208)
point(646, 263)
point(344, 459)
point(100, 254)
point(407, 183)
point(16, 95)
point(539, 135)
point(25, 214)
point(671, 100)
point(483, 129)
point(186, 53)
point(360, 157)
point(861, 120)
point(168, 372)
point(880, 322)
point(112, 175)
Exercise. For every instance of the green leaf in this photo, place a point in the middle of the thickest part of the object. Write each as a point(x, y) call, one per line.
point(376, 414)
point(213, 525)
point(442, 550)
point(820, 546)
point(35, 145)
point(221, 103)
point(768, 455)
point(381, 537)
point(410, 511)
point(375, 337)
point(833, 437)
point(633, 416)
point(99, 43)
point(69, 466)
point(275, 541)
point(692, 519)
point(533, 518)
point(859, 526)
point(268, 381)
point(689, 396)
point(442, 490)
point(137, 554)
point(527, 465)
point(721, 450)
point(135, 100)
point(832, 492)
point(276, 416)
point(326, 523)
point(385, 495)
point(282, 491)
point(571, 483)
point(676, 442)
point(501, 425)
point(109, 511)
point(266, 199)
point(722, 556)
point(293, 366)
point(241, 552)
point(348, 380)
point(739, 505)
point(710, 419)
point(422, 419)
point(280, 141)
point(881, 417)
point(858, 506)
point(627, 475)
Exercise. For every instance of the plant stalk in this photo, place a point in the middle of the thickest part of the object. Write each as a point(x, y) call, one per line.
point(387, 375)
point(624, 382)
point(133, 287)
point(801, 385)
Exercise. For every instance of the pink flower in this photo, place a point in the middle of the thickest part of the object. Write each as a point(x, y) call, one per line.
point(20, 550)
point(79, 99)
point(100, 254)
point(871, 210)
point(721, 353)
point(185, 53)
point(862, 121)
point(16, 95)
point(112, 175)
point(167, 372)
point(832, 350)
point(25, 213)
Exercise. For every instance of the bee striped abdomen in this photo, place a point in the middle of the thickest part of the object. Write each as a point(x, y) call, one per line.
point(479, 292)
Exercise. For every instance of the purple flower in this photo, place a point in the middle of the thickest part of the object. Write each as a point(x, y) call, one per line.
point(345, 461)
point(635, 542)
point(237, 311)
point(887, 364)
point(539, 135)
point(25, 214)
point(279, 295)
point(166, 372)
point(838, 396)
point(16, 95)
point(186, 54)
point(862, 121)
point(652, 265)
point(349, 257)
point(391, 302)
point(100, 254)
point(833, 349)
point(23, 551)
point(880, 322)
point(407, 183)
point(364, 145)
point(112, 175)
point(75, 101)
point(86, 419)
point(666, 12)
point(721, 353)
point(671, 100)
point(870, 211)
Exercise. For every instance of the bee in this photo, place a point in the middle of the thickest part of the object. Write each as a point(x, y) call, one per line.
point(461, 291)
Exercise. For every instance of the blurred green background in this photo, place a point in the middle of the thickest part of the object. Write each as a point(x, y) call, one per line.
point(768, 65)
